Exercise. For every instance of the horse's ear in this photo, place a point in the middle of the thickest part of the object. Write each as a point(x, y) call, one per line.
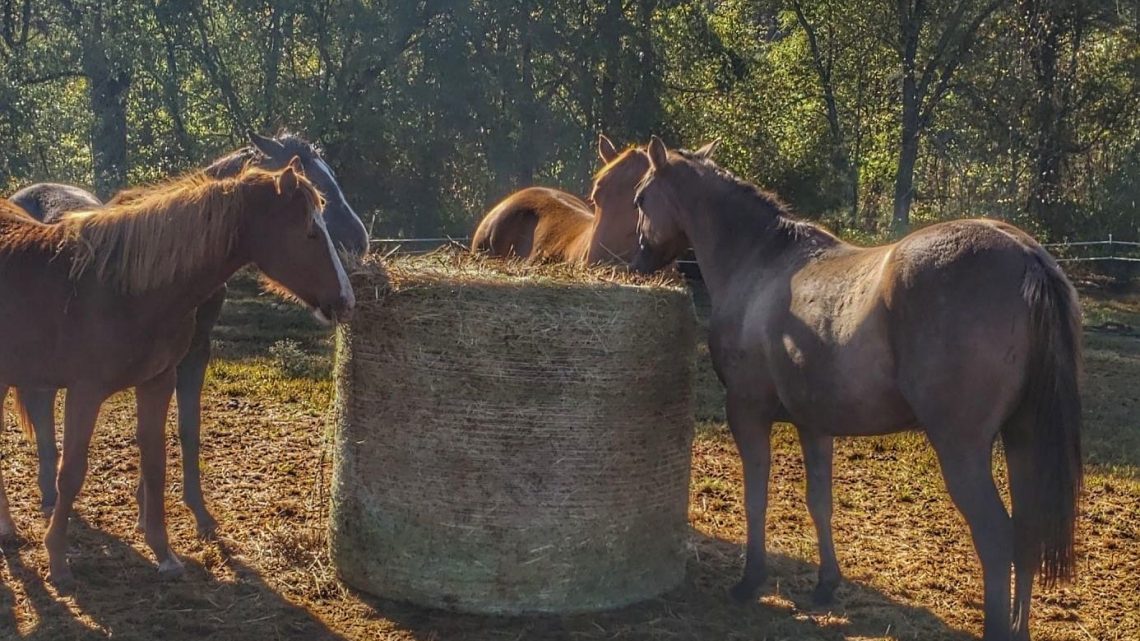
point(287, 181)
point(658, 153)
point(706, 152)
point(265, 145)
point(606, 149)
point(296, 165)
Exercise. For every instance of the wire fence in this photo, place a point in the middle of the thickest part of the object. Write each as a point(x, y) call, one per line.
point(1118, 254)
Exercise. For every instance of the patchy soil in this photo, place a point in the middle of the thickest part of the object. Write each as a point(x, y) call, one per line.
point(910, 568)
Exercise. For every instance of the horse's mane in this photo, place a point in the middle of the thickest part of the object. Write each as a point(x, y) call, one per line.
point(618, 164)
point(763, 205)
point(234, 162)
point(146, 238)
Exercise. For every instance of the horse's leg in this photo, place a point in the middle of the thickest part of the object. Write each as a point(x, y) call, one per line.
point(191, 378)
point(751, 426)
point(967, 471)
point(7, 526)
point(40, 407)
point(81, 409)
point(152, 400)
point(818, 450)
point(1019, 460)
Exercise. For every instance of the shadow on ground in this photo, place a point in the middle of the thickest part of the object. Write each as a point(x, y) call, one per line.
point(699, 609)
point(118, 596)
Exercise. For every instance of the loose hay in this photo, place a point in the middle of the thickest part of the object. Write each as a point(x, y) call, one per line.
point(512, 438)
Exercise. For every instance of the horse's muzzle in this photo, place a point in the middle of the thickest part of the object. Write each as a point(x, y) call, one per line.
point(645, 261)
point(338, 311)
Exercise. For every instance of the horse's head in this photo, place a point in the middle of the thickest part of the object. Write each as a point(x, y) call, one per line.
point(344, 226)
point(660, 237)
point(615, 216)
point(286, 237)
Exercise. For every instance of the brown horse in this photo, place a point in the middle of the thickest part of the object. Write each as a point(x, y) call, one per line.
point(104, 300)
point(964, 330)
point(48, 202)
point(544, 223)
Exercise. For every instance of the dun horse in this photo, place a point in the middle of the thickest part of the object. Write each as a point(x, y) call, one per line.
point(965, 330)
point(48, 202)
point(105, 300)
point(544, 223)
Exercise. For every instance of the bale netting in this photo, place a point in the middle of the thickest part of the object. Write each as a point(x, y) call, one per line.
point(512, 438)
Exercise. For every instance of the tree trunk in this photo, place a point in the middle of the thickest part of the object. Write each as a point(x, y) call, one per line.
point(108, 87)
point(171, 88)
point(1048, 120)
point(908, 154)
point(272, 67)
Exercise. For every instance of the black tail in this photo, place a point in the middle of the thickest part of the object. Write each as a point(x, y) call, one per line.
point(1053, 400)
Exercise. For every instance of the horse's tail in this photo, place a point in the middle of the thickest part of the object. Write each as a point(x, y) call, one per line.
point(22, 416)
point(1051, 432)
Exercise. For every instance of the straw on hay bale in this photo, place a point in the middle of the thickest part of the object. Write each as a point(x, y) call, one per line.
point(512, 438)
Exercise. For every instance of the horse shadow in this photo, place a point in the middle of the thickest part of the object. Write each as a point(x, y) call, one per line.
point(119, 595)
point(697, 609)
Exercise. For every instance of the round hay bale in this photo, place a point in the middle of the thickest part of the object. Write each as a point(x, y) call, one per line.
point(512, 439)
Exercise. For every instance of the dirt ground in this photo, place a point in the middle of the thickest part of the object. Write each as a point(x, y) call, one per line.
point(910, 569)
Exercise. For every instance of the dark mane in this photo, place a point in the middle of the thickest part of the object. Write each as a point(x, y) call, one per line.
point(296, 145)
point(763, 206)
point(233, 163)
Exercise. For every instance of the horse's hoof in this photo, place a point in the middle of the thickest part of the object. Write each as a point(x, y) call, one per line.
point(823, 594)
point(10, 540)
point(745, 592)
point(63, 580)
point(170, 568)
point(208, 531)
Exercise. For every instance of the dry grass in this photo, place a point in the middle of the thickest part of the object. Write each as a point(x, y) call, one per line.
point(520, 438)
point(910, 568)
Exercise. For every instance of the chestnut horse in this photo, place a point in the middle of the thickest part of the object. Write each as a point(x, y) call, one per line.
point(105, 300)
point(48, 202)
point(965, 330)
point(544, 223)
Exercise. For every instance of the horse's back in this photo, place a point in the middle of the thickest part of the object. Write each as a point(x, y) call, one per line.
point(866, 335)
point(47, 202)
point(536, 221)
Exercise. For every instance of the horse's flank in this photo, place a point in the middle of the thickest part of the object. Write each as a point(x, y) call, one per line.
point(152, 237)
point(537, 222)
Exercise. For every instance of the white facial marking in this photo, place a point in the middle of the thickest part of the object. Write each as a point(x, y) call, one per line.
point(325, 321)
point(341, 276)
point(323, 167)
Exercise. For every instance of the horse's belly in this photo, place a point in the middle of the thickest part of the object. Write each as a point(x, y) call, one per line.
point(849, 390)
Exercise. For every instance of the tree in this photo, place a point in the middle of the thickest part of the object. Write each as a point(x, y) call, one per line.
point(928, 62)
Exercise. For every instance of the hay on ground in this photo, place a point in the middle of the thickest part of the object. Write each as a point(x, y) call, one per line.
point(512, 438)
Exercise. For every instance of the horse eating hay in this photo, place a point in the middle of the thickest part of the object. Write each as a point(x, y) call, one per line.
point(512, 438)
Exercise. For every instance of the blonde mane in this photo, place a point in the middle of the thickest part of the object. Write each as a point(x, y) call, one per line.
point(155, 235)
point(613, 165)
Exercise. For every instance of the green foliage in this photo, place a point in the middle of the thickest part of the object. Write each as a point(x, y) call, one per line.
point(430, 111)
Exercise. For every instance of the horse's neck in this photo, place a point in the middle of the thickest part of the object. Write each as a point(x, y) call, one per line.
point(736, 237)
point(184, 294)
